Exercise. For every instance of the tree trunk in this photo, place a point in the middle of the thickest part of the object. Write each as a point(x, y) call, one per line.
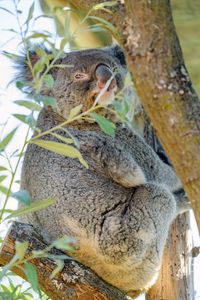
point(155, 59)
point(74, 282)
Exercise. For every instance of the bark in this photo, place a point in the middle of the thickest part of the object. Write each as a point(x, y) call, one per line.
point(74, 282)
point(154, 57)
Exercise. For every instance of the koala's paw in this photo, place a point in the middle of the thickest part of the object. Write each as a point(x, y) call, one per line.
point(127, 176)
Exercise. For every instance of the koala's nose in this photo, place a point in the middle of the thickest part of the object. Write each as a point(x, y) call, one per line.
point(103, 74)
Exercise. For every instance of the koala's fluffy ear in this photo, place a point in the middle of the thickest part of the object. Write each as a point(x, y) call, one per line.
point(115, 50)
point(35, 54)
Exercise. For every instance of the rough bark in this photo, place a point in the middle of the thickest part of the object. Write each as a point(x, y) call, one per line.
point(74, 282)
point(154, 57)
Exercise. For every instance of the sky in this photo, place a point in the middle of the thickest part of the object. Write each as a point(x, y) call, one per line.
point(9, 93)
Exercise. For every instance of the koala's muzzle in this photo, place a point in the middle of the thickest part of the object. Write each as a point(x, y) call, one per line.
point(103, 74)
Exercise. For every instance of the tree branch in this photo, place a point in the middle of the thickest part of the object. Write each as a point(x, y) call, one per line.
point(74, 282)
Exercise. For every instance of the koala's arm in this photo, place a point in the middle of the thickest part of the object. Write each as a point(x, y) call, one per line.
point(154, 168)
point(111, 157)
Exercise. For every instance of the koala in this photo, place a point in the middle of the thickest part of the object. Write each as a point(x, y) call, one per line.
point(120, 209)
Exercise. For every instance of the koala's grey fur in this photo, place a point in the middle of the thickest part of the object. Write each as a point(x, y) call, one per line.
point(120, 209)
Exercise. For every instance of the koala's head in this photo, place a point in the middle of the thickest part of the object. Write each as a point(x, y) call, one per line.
point(85, 75)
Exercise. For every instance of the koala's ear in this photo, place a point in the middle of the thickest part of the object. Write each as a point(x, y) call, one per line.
point(22, 65)
point(116, 51)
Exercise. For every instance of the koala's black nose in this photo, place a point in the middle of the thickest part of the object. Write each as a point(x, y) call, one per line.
point(103, 74)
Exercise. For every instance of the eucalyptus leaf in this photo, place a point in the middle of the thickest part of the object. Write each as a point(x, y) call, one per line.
point(37, 35)
point(34, 206)
point(105, 23)
point(30, 13)
point(28, 104)
point(21, 248)
point(63, 42)
point(40, 51)
point(46, 100)
point(48, 80)
point(31, 275)
point(62, 149)
point(62, 138)
point(105, 125)
point(27, 119)
point(6, 140)
point(20, 85)
point(3, 189)
point(39, 66)
point(2, 178)
point(23, 196)
point(60, 266)
point(75, 111)
point(104, 4)
point(3, 169)
point(65, 243)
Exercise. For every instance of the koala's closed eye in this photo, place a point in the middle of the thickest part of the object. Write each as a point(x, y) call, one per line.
point(81, 76)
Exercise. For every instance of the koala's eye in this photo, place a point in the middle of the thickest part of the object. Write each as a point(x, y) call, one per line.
point(80, 76)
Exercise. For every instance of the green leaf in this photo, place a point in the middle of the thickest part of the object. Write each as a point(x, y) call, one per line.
point(75, 111)
point(65, 243)
point(26, 119)
point(2, 178)
point(62, 149)
point(7, 139)
point(21, 248)
point(20, 85)
point(63, 43)
point(31, 275)
point(60, 266)
point(104, 4)
point(28, 104)
point(40, 51)
point(23, 196)
point(93, 28)
point(3, 169)
point(118, 106)
point(30, 13)
point(105, 23)
point(34, 206)
point(49, 81)
point(3, 189)
point(46, 100)
point(39, 66)
point(62, 138)
point(105, 125)
point(37, 35)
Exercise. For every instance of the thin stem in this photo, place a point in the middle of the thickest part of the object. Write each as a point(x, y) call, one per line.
point(65, 123)
point(13, 176)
